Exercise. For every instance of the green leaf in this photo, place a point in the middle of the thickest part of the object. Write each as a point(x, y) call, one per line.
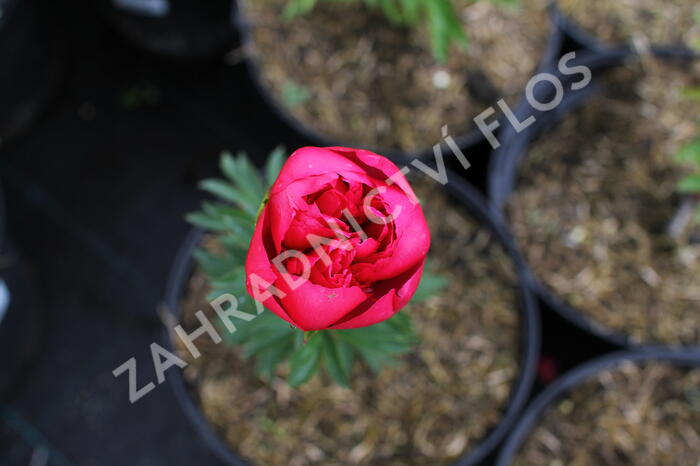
point(237, 221)
point(205, 221)
point(692, 93)
point(412, 10)
point(267, 360)
point(294, 95)
point(305, 362)
point(274, 165)
point(212, 264)
point(690, 184)
point(235, 244)
point(223, 190)
point(445, 27)
point(391, 11)
point(229, 193)
point(246, 330)
point(430, 285)
point(377, 360)
point(231, 280)
point(382, 337)
point(297, 7)
point(245, 177)
point(401, 323)
point(268, 337)
point(379, 344)
point(690, 153)
point(337, 358)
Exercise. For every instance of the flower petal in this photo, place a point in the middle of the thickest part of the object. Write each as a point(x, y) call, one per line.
point(315, 307)
point(396, 294)
point(408, 249)
point(258, 262)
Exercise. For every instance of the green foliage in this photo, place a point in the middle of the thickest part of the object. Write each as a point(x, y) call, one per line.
point(429, 285)
point(265, 337)
point(692, 93)
point(232, 222)
point(444, 24)
point(690, 155)
point(380, 344)
point(271, 341)
point(691, 184)
point(294, 95)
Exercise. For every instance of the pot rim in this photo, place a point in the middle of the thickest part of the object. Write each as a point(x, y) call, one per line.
point(570, 28)
point(575, 377)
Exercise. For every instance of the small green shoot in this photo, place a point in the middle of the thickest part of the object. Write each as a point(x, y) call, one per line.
point(444, 24)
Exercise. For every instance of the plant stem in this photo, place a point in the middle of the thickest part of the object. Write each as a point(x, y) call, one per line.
point(309, 335)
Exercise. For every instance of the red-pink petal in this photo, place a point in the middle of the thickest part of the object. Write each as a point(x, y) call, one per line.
point(315, 307)
point(408, 249)
point(258, 262)
point(396, 294)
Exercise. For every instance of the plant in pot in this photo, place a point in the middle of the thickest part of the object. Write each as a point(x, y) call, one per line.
point(624, 408)
point(360, 364)
point(617, 253)
point(389, 74)
point(674, 25)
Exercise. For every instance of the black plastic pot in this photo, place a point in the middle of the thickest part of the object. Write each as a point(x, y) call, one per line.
point(181, 30)
point(506, 161)
point(21, 330)
point(473, 142)
point(31, 62)
point(574, 378)
point(475, 204)
point(571, 30)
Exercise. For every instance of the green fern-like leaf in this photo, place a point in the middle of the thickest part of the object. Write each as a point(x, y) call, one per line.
point(690, 184)
point(690, 153)
point(430, 285)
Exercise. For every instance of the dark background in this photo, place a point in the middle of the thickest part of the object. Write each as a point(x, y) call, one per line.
point(95, 193)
